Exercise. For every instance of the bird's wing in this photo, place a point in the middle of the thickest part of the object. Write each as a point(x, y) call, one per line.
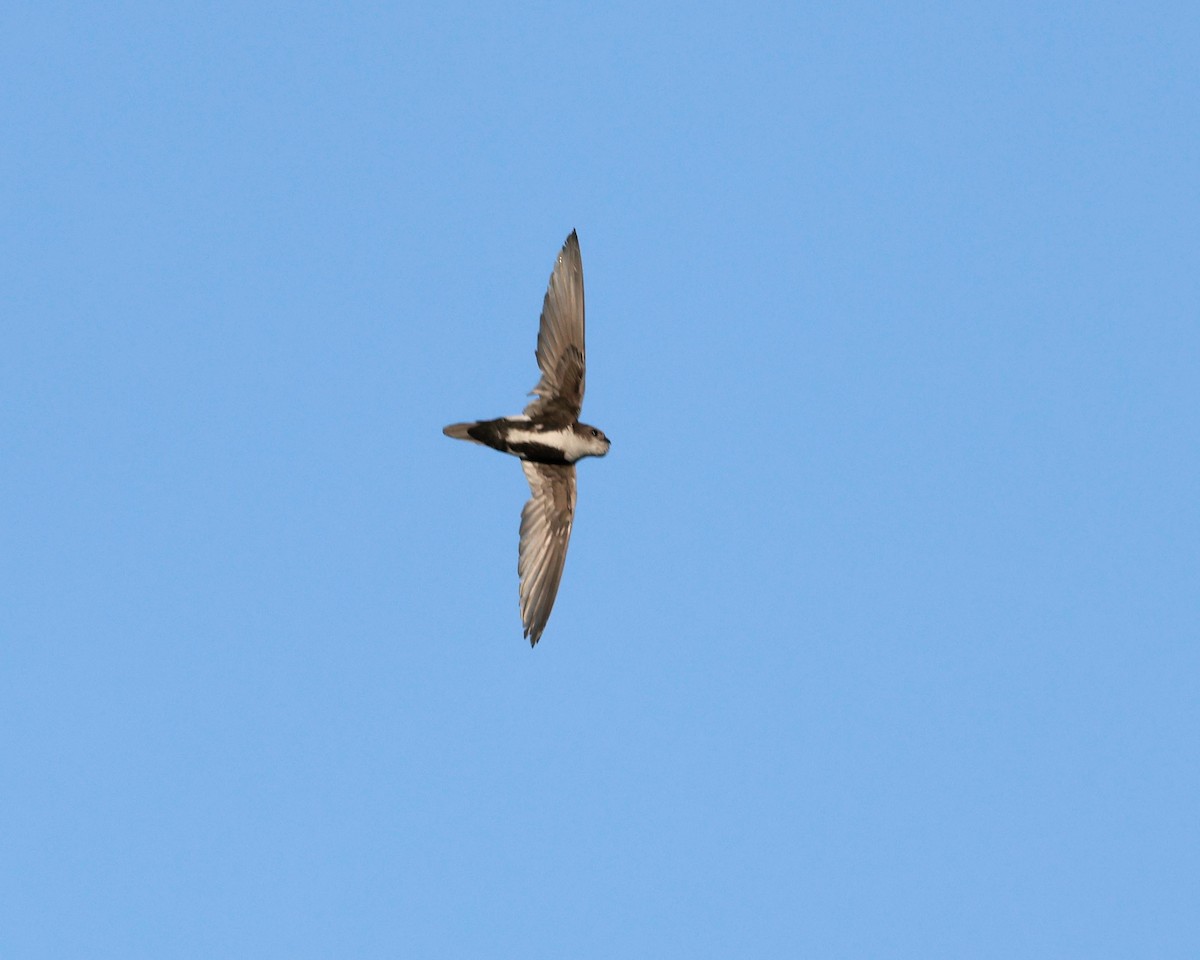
point(560, 353)
point(545, 532)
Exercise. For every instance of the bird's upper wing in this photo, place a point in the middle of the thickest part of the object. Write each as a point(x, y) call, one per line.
point(545, 532)
point(560, 353)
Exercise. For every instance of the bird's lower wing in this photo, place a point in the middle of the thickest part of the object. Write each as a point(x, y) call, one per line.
point(545, 532)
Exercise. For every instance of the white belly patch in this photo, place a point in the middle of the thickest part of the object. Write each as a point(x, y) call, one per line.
point(566, 442)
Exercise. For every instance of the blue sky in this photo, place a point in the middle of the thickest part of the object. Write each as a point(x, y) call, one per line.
point(878, 635)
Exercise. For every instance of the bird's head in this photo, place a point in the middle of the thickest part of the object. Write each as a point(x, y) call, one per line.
point(596, 444)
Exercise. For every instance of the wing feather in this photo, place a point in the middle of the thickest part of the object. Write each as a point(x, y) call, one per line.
point(545, 533)
point(560, 349)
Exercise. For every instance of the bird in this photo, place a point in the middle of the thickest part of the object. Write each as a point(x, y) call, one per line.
point(549, 439)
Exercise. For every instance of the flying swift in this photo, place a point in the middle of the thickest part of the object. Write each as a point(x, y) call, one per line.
point(549, 439)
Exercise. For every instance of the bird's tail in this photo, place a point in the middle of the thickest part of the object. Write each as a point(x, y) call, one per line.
point(460, 431)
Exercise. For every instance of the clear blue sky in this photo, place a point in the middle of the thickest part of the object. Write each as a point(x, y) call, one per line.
point(878, 635)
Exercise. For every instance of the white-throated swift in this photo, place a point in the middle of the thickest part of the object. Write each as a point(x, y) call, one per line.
point(548, 438)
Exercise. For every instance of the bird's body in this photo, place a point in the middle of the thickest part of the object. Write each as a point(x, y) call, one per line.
point(537, 441)
point(549, 439)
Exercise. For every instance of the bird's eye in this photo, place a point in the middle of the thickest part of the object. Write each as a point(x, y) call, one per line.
point(595, 433)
